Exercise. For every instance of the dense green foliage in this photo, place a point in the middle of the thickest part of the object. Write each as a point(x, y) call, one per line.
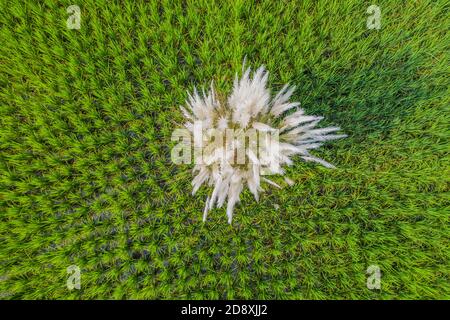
point(86, 118)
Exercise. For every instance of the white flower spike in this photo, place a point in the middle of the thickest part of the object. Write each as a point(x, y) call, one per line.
point(275, 134)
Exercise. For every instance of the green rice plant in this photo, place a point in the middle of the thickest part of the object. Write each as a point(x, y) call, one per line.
point(86, 178)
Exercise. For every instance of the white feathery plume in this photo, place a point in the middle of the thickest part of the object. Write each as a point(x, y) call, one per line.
point(249, 107)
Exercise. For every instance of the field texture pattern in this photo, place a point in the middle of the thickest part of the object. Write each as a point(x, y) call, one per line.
point(86, 178)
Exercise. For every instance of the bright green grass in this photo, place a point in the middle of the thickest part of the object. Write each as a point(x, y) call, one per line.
point(86, 178)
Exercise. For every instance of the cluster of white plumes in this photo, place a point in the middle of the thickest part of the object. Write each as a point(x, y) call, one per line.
point(285, 129)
